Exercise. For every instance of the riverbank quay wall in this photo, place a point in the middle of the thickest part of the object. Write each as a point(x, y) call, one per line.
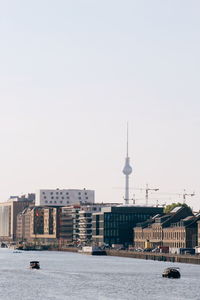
point(189, 259)
point(156, 256)
point(65, 249)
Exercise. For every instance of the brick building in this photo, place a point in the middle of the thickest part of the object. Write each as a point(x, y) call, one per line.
point(183, 234)
point(152, 230)
point(198, 233)
point(43, 224)
point(8, 216)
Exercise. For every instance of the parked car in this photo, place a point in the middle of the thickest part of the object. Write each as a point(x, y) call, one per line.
point(148, 249)
point(156, 250)
point(139, 250)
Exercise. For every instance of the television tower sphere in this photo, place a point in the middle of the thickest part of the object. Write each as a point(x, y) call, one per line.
point(127, 170)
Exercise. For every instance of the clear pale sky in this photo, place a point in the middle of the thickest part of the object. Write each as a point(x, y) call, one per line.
point(72, 73)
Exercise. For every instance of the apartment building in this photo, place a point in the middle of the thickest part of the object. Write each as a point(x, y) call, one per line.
point(75, 223)
point(63, 197)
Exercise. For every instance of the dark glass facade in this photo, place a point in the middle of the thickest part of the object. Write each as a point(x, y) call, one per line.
point(115, 225)
point(38, 221)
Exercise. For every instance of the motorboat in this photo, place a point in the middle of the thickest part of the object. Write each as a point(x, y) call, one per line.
point(34, 264)
point(171, 273)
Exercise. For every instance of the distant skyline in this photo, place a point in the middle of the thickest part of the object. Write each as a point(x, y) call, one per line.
point(74, 72)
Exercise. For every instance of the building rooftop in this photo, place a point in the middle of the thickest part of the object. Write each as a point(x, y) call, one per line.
point(174, 210)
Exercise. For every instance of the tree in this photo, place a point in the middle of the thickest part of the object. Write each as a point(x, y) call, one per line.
point(169, 207)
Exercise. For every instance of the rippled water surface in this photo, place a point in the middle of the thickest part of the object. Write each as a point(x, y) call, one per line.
point(66, 275)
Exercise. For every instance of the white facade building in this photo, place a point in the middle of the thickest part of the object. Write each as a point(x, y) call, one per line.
point(64, 197)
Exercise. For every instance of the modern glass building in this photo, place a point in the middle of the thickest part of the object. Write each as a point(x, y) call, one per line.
point(114, 225)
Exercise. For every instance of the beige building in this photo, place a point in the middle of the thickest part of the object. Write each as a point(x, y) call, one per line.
point(23, 225)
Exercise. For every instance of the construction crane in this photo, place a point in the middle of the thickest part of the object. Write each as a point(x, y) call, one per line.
point(147, 189)
point(185, 195)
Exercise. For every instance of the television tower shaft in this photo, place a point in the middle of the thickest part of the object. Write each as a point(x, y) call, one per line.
point(127, 170)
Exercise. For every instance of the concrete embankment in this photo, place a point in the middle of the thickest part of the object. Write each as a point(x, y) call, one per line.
point(67, 249)
point(190, 259)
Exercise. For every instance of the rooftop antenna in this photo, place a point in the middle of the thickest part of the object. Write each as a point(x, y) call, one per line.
point(127, 142)
point(127, 170)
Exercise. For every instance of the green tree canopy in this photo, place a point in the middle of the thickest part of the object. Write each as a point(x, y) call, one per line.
point(169, 207)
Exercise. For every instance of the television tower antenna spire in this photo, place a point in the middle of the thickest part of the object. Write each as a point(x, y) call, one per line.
point(127, 142)
point(127, 170)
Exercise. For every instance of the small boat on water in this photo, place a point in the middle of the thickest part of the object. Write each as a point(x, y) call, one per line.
point(171, 273)
point(3, 245)
point(34, 264)
point(92, 251)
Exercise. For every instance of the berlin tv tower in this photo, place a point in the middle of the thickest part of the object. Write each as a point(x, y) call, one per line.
point(127, 170)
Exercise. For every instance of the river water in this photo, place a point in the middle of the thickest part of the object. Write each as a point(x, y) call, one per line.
point(65, 275)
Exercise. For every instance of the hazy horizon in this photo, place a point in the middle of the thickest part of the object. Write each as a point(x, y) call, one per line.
point(74, 72)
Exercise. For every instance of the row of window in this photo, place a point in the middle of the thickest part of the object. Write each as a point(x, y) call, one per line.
point(52, 197)
point(111, 232)
point(176, 245)
point(55, 201)
point(174, 235)
point(125, 217)
point(61, 193)
point(166, 235)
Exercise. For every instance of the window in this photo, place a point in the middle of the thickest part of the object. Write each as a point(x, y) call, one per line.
point(67, 201)
point(67, 197)
point(56, 197)
point(51, 193)
point(79, 193)
point(45, 197)
point(55, 201)
point(67, 193)
point(61, 193)
point(85, 193)
point(86, 197)
point(43, 193)
point(63, 198)
point(61, 202)
point(56, 193)
point(46, 201)
point(50, 201)
point(79, 198)
point(52, 197)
